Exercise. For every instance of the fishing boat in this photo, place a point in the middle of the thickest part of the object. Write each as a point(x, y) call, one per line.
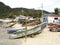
point(20, 33)
point(12, 31)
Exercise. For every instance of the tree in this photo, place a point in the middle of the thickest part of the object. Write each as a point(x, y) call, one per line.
point(11, 15)
point(56, 11)
point(4, 10)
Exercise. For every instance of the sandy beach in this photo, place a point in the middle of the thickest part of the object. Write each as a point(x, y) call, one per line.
point(44, 38)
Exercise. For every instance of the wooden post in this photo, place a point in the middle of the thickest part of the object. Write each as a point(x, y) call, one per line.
point(26, 30)
point(25, 27)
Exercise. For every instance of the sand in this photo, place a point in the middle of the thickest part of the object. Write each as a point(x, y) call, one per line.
point(44, 38)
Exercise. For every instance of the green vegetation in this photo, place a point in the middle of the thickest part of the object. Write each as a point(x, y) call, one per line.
point(4, 10)
point(57, 11)
point(8, 12)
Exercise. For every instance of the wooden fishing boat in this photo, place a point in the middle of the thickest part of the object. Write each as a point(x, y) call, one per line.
point(21, 33)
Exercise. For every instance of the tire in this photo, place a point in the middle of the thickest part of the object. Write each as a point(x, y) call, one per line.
point(53, 30)
point(32, 36)
point(50, 29)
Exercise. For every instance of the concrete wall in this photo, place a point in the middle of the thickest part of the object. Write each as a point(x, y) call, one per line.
point(50, 19)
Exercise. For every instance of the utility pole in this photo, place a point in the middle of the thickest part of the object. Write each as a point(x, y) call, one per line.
point(22, 11)
point(58, 8)
point(42, 11)
point(25, 26)
point(42, 8)
point(38, 12)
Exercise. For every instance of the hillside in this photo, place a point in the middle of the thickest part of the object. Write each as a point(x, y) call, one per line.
point(8, 12)
point(4, 10)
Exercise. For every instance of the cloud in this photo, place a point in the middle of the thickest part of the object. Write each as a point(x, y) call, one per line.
point(48, 2)
point(48, 5)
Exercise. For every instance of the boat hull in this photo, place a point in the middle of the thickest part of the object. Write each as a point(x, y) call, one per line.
point(37, 29)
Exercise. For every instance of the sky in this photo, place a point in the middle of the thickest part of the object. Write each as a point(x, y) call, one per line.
point(48, 5)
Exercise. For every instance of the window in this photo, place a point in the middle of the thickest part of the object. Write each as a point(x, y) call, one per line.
point(56, 18)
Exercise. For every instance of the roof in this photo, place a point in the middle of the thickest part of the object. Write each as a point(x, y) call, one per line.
point(51, 15)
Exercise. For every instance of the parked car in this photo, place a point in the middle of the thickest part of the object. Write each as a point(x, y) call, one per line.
point(54, 28)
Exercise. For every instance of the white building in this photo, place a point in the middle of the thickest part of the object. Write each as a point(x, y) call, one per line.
point(51, 18)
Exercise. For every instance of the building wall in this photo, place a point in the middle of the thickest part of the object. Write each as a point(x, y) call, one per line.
point(45, 18)
point(50, 19)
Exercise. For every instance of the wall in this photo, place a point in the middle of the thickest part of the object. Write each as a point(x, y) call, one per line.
point(45, 18)
point(50, 19)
